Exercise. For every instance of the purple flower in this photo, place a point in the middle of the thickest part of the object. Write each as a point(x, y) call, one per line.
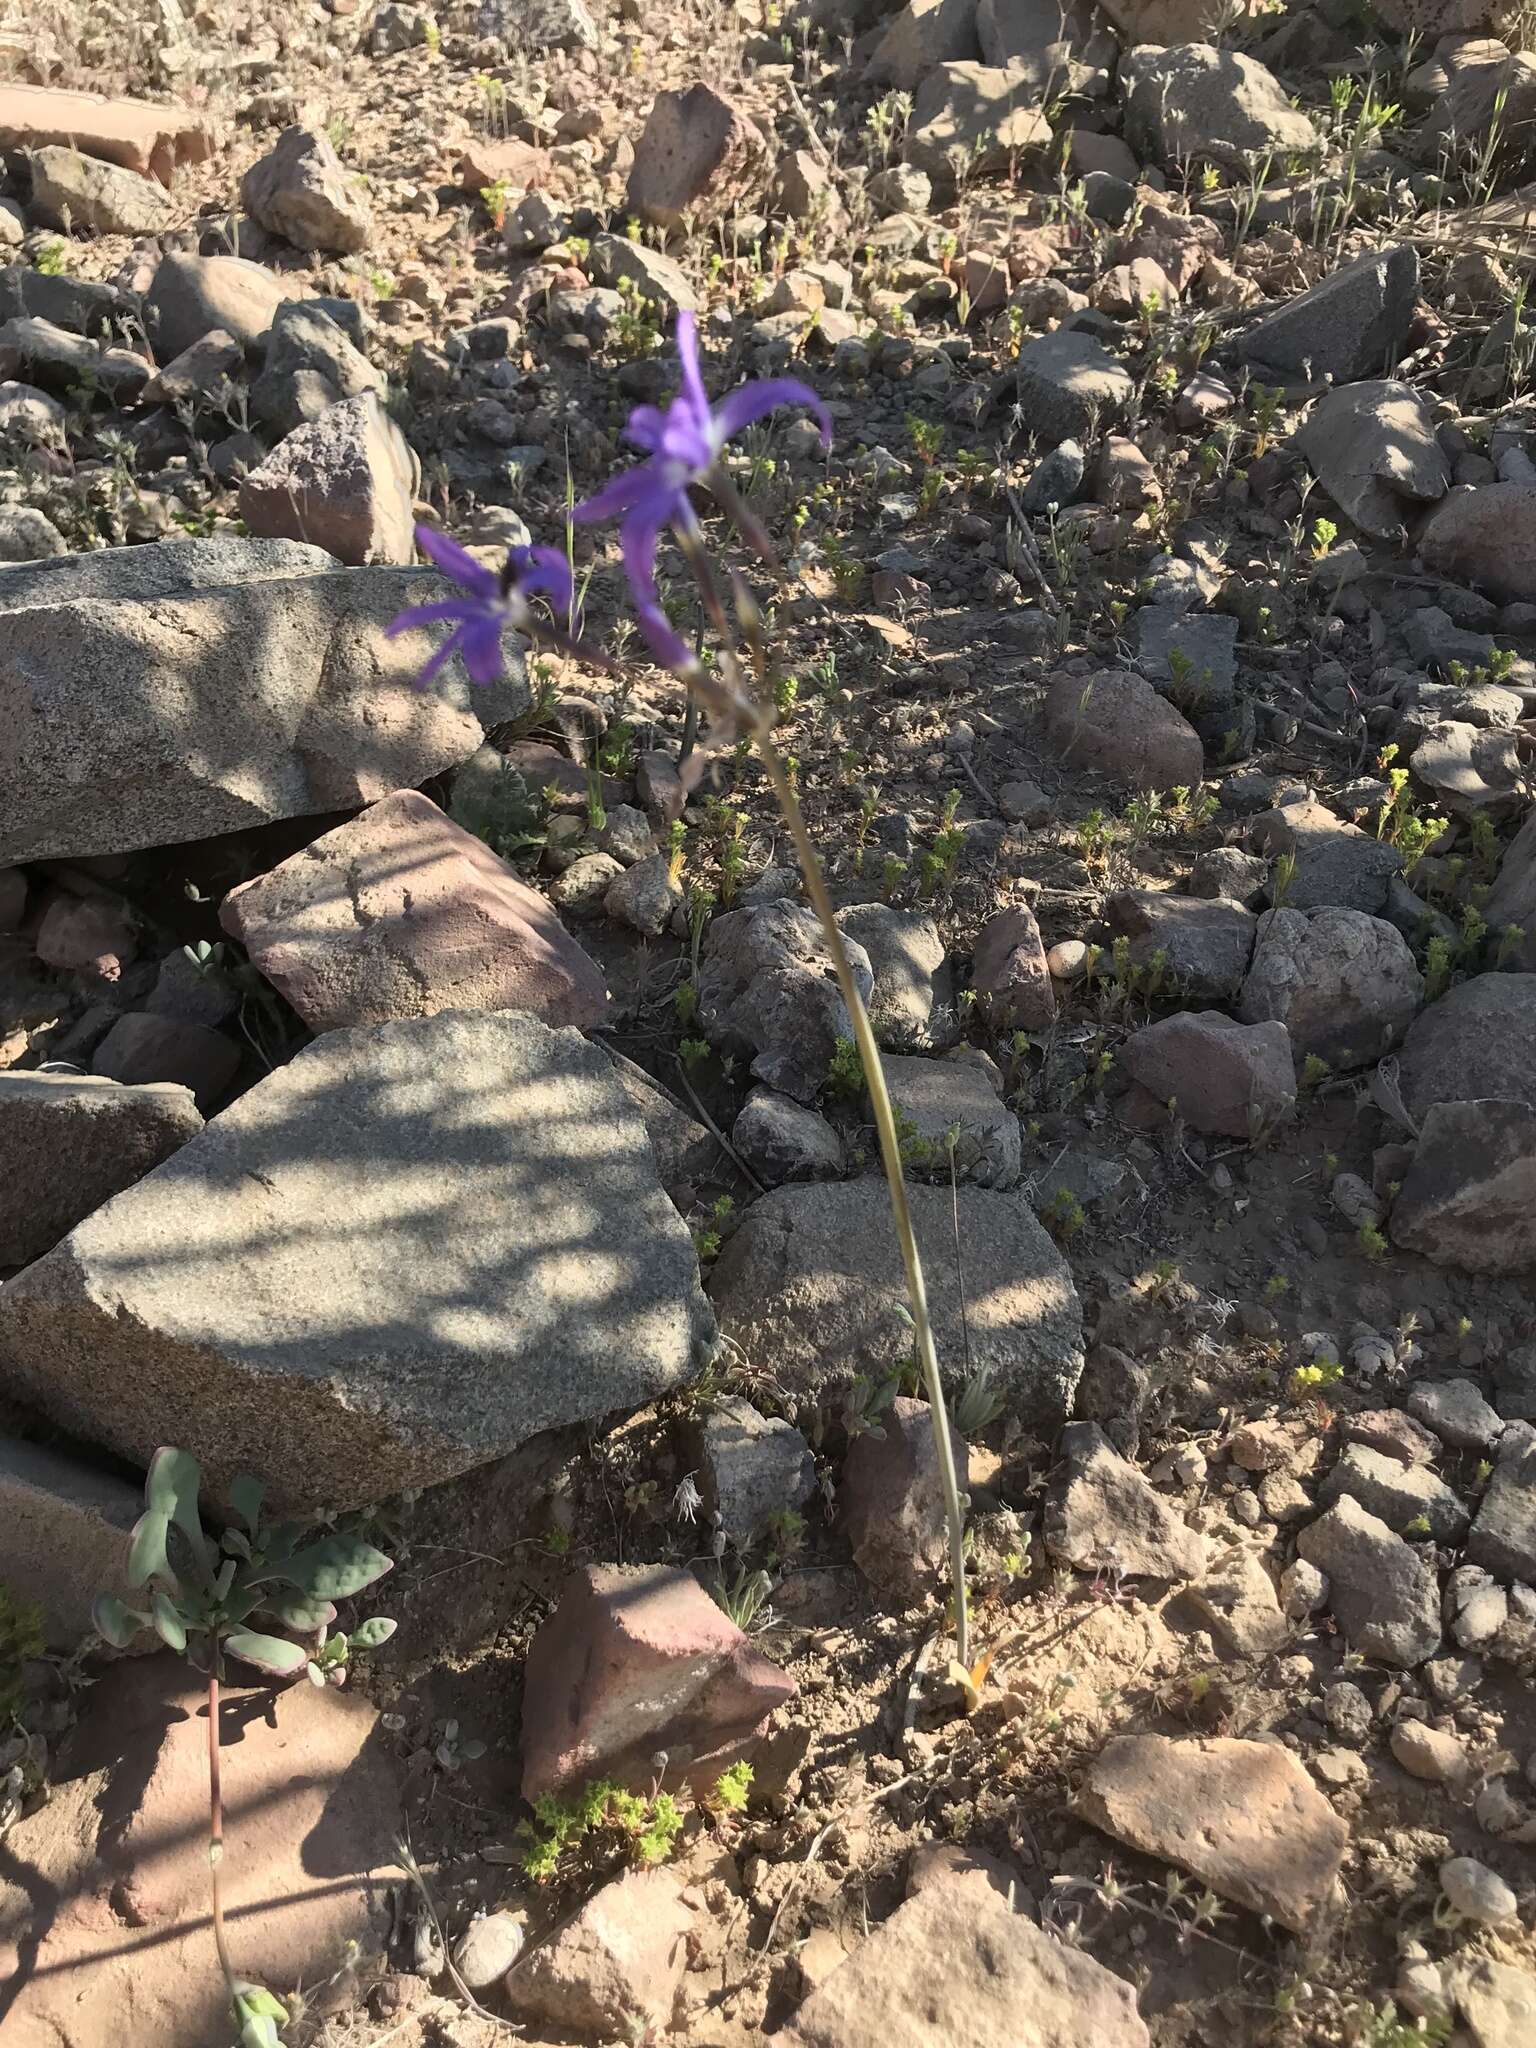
point(491, 603)
point(682, 446)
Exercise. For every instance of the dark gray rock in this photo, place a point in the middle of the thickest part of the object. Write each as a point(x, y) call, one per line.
point(1069, 387)
point(753, 1468)
point(1383, 1594)
point(1504, 1534)
point(784, 1140)
point(1469, 1198)
point(1350, 326)
point(768, 993)
point(1478, 1041)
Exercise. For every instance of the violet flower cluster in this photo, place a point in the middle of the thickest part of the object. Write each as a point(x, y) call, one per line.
point(682, 446)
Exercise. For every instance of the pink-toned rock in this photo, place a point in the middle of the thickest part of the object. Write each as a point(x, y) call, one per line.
point(1224, 1077)
point(892, 1503)
point(86, 935)
point(1116, 723)
point(104, 1930)
point(142, 1047)
point(1242, 1816)
point(509, 165)
point(699, 154)
point(1009, 971)
point(634, 1661)
point(958, 1964)
point(402, 913)
point(149, 140)
point(613, 1970)
point(346, 481)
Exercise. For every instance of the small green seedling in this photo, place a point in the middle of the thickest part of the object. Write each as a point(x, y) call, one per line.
point(204, 1594)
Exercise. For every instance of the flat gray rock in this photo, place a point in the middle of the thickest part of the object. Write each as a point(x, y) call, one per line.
point(811, 1286)
point(400, 1256)
point(1384, 1596)
point(69, 1142)
point(1478, 1042)
point(1504, 1534)
point(174, 713)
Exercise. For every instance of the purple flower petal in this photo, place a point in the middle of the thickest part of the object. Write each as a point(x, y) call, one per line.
point(448, 556)
point(749, 402)
point(616, 496)
point(548, 570)
point(668, 646)
point(645, 427)
point(480, 644)
point(693, 382)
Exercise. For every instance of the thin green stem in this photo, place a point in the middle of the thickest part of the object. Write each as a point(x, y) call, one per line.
point(890, 1155)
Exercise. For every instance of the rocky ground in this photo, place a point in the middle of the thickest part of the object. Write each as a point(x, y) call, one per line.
point(430, 1102)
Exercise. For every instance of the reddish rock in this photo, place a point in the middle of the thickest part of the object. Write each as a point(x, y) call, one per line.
point(634, 1661)
point(86, 935)
point(1115, 722)
point(402, 913)
point(700, 154)
point(892, 1502)
point(142, 138)
point(1243, 1817)
point(1009, 971)
point(345, 481)
point(1222, 1076)
point(613, 1970)
point(104, 1930)
point(141, 1047)
point(510, 166)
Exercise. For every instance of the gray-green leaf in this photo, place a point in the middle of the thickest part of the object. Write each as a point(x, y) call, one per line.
point(267, 1653)
point(333, 1569)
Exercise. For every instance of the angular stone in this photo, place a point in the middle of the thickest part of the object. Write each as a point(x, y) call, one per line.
point(645, 896)
point(753, 1467)
point(1070, 388)
point(957, 1963)
point(1200, 944)
point(782, 1140)
point(310, 365)
point(150, 140)
point(54, 356)
point(301, 191)
point(1457, 1413)
point(1496, 2000)
point(767, 992)
point(1350, 326)
point(700, 154)
point(64, 1530)
point(29, 418)
point(1384, 1596)
point(402, 913)
point(1373, 449)
point(1469, 1198)
point(658, 279)
point(891, 1499)
point(171, 568)
point(959, 1096)
point(202, 376)
point(75, 191)
point(1400, 1495)
point(971, 119)
point(537, 25)
point(683, 1149)
point(1010, 974)
point(1237, 1598)
point(69, 1142)
point(345, 481)
point(920, 35)
point(812, 1286)
point(1512, 899)
point(1337, 865)
point(1478, 1042)
point(636, 1660)
point(911, 1006)
point(214, 708)
point(1193, 101)
point(1486, 537)
point(193, 295)
point(1504, 1534)
point(1242, 1816)
point(1116, 724)
point(1345, 986)
point(616, 1965)
point(116, 1865)
point(398, 1257)
point(1468, 768)
point(1104, 1515)
point(142, 1049)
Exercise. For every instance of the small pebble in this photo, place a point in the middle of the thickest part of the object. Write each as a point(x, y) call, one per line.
point(1476, 1892)
point(1429, 1753)
point(1068, 960)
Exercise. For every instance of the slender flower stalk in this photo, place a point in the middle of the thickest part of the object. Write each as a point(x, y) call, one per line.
point(683, 447)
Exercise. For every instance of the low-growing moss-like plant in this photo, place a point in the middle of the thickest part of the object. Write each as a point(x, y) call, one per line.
point(649, 1827)
point(845, 1073)
point(204, 1594)
point(733, 1788)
